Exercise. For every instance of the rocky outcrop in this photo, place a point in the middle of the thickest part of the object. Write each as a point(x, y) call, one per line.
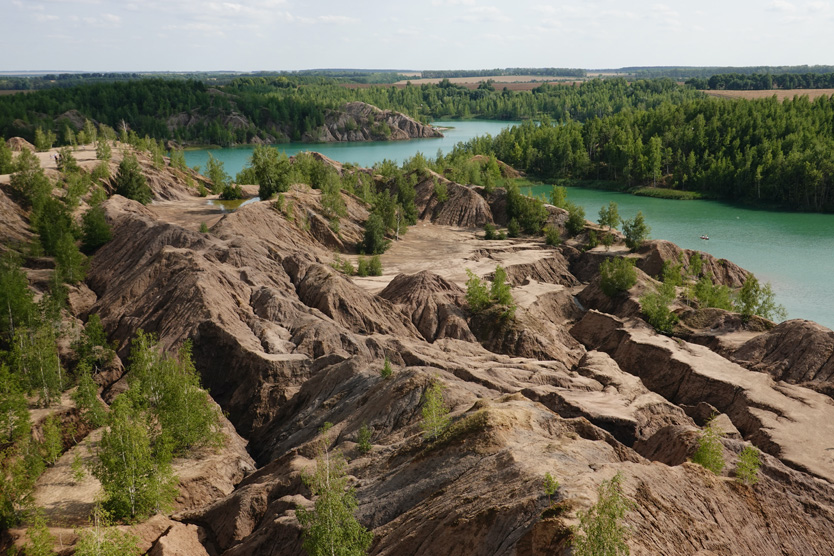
point(359, 121)
point(788, 422)
point(653, 254)
point(796, 351)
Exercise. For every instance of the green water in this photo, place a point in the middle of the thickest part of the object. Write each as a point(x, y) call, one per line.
point(361, 153)
point(792, 251)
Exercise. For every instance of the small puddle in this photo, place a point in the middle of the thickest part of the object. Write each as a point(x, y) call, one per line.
point(231, 206)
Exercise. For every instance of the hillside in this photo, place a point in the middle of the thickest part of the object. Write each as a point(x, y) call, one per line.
point(576, 384)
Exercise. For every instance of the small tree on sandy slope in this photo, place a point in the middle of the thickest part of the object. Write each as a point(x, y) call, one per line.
point(330, 528)
point(103, 539)
point(131, 183)
point(710, 452)
point(603, 532)
point(636, 231)
point(435, 413)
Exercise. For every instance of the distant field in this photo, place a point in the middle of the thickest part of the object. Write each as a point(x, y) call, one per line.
point(496, 78)
point(781, 94)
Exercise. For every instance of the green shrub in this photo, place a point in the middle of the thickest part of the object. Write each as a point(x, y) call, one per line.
point(441, 191)
point(513, 228)
point(601, 527)
point(655, 307)
point(755, 299)
point(551, 485)
point(95, 230)
point(636, 231)
point(131, 183)
point(617, 274)
point(710, 453)
point(552, 236)
point(477, 293)
point(576, 218)
point(204, 229)
point(435, 414)
point(375, 266)
point(386, 370)
point(362, 267)
point(363, 439)
point(747, 470)
point(489, 231)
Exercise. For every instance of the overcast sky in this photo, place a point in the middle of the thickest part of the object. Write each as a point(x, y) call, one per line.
point(251, 35)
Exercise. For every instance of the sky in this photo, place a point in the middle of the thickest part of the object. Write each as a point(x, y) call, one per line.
point(254, 35)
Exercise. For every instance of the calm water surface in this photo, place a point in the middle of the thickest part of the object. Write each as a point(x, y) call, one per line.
point(364, 153)
point(794, 252)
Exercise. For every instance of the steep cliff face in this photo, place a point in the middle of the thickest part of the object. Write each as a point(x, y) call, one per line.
point(359, 121)
point(576, 385)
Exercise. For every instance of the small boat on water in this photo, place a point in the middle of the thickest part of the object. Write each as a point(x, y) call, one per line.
point(704, 236)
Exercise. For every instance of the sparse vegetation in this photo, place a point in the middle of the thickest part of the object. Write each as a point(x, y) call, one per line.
point(480, 297)
point(330, 528)
point(636, 231)
point(747, 470)
point(551, 486)
point(363, 439)
point(434, 411)
point(710, 453)
point(601, 529)
point(386, 370)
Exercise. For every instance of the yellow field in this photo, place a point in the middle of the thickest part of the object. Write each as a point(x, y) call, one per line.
point(781, 94)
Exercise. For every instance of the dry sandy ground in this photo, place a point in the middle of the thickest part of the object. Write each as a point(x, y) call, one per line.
point(779, 93)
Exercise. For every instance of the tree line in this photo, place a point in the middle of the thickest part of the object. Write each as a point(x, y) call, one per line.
point(544, 72)
point(759, 151)
point(763, 81)
point(286, 107)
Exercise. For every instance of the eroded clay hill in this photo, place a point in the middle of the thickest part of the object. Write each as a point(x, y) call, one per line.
point(577, 385)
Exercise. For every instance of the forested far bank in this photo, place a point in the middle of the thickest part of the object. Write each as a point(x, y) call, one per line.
point(292, 108)
point(758, 151)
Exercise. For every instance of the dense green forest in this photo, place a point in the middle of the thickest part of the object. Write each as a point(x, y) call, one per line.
point(764, 81)
point(281, 108)
point(759, 151)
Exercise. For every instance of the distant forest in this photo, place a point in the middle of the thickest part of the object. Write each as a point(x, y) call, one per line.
point(648, 132)
point(763, 81)
point(544, 72)
point(284, 108)
point(683, 72)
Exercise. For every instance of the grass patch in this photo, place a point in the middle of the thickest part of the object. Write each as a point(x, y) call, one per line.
point(665, 193)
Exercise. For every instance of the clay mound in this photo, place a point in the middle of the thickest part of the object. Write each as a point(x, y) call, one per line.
point(350, 306)
point(796, 351)
point(432, 303)
point(655, 253)
point(464, 208)
point(623, 304)
point(17, 144)
point(326, 160)
point(507, 171)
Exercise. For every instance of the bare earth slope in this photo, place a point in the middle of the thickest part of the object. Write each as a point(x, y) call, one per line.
point(285, 343)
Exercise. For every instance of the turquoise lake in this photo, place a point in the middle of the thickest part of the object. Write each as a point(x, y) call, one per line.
point(792, 251)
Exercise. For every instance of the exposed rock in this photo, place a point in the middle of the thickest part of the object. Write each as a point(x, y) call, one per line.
point(552, 270)
point(358, 121)
point(655, 253)
point(786, 421)
point(796, 351)
point(14, 228)
point(180, 540)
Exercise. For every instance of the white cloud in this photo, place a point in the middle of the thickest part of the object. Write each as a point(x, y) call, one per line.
point(338, 19)
point(781, 6)
point(484, 14)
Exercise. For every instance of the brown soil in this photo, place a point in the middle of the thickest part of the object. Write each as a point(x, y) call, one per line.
point(780, 94)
